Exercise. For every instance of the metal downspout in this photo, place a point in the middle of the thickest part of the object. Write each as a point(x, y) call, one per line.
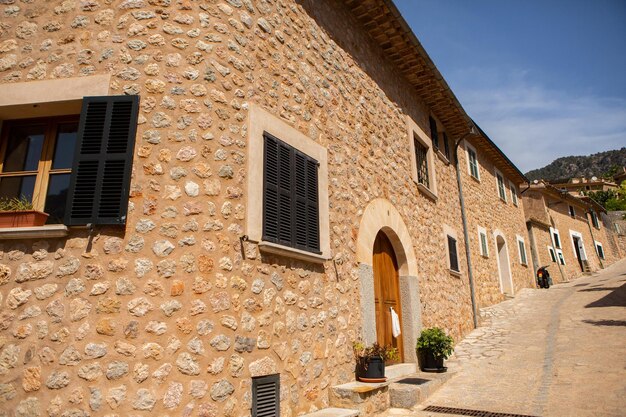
point(470, 274)
point(533, 249)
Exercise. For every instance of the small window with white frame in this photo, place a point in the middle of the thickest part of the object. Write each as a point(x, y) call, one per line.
point(500, 185)
point(556, 238)
point(482, 242)
point(572, 212)
point(521, 250)
point(594, 220)
point(559, 254)
point(472, 161)
point(513, 193)
point(552, 254)
point(599, 249)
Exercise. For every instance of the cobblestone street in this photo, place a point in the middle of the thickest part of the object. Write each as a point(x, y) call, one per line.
point(556, 352)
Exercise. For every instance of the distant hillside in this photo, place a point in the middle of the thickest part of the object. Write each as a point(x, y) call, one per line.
point(598, 164)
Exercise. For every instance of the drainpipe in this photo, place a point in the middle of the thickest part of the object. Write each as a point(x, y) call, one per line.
point(533, 249)
point(594, 239)
point(470, 274)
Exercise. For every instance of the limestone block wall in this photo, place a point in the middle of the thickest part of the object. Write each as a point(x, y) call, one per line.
point(174, 314)
point(487, 210)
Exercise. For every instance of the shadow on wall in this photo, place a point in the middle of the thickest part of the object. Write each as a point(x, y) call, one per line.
point(616, 298)
point(606, 322)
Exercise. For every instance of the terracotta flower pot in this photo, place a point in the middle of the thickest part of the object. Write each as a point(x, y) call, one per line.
point(26, 218)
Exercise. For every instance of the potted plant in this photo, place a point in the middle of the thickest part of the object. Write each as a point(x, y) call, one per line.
point(370, 361)
point(433, 346)
point(19, 212)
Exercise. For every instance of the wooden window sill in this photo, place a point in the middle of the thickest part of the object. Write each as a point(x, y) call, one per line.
point(37, 232)
point(423, 189)
point(286, 251)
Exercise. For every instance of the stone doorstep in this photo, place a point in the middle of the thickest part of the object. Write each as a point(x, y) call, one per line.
point(334, 412)
point(359, 395)
point(402, 395)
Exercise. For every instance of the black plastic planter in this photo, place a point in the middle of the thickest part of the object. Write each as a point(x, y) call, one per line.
point(371, 369)
point(429, 363)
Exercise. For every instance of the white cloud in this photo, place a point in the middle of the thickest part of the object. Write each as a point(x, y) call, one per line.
point(534, 125)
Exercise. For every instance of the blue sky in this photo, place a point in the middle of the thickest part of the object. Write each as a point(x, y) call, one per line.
point(544, 79)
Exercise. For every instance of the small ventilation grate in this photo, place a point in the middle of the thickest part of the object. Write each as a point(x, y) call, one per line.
point(468, 412)
point(266, 396)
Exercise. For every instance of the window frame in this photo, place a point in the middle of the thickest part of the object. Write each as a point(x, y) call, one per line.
point(572, 211)
point(600, 248)
point(44, 166)
point(483, 249)
point(500, 185)
point(594, 219)
point(552, 253)
point(521, 250)
point(450, 233)
point(559, 253)
point(434, 131)
point(513, 190)
point(554, 232)
point(468, 150)
point(260, 121)
point(416, 133)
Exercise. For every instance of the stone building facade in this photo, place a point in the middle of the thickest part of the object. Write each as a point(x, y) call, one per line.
point(496, 223)
point(183, 305)
point(564, 235)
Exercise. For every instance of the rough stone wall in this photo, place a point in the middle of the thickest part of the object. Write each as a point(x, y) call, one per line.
point(172, 315)
point(485, 208)
point(608, 238)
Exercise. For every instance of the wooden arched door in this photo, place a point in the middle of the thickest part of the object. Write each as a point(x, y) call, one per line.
point(386, 292)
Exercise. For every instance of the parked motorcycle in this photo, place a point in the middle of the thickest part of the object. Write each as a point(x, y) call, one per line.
point(543, 277)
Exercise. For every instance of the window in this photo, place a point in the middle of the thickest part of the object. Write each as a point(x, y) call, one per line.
point(422, 160)
point(453, 256)
point(500, 183)
point(38, 162)
point(482, 240)
point(521, 250)
point(472, 162)
point(290, 197)
point(559, 253)
point(446, 146)
point(513, 193)
point(594, 220)
point(433, 132)
point(600, 250)
point(421, 152)
point(287, 190)
point(572, 212)
point(266, 396)
point(556, 238)
point(552, 254)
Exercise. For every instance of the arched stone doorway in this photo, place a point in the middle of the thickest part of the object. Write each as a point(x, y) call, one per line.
point(382, 221)
point(504, 265)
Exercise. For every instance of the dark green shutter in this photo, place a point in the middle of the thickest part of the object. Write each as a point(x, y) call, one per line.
point(290, 196)
point(100, 182)
point(446, 146)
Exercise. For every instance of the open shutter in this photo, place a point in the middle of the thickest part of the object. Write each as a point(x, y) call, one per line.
point(100, 182)
point(266, 396)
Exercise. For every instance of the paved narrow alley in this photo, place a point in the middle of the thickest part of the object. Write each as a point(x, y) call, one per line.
point(557, 352)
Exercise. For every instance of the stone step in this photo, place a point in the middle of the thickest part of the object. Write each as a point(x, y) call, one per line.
point(400, 370)
point(334, 412)
point(408, 392)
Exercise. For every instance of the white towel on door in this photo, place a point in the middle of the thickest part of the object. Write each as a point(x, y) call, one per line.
point(395, 323)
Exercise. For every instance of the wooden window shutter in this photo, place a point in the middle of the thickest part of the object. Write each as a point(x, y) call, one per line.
point(290, 196)
point(454, 261)
point(100, 182)
point(266, 396)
